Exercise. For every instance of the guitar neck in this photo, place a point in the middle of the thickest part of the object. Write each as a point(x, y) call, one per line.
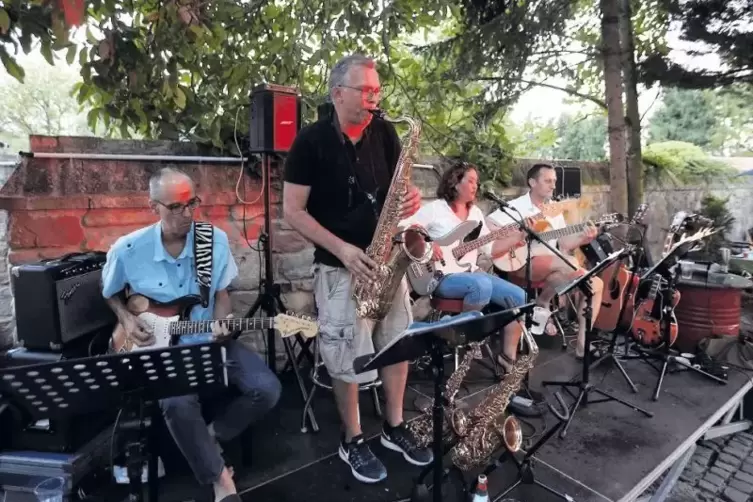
point(562, 232)
point(467, 247)
point(190, 327)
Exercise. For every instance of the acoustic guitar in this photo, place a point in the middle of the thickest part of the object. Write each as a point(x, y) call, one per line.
point(517, 257)
point(616, 278)
point(168, 322)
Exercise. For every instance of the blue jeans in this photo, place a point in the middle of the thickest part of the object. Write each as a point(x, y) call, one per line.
point(260, 390)
point(478, 289)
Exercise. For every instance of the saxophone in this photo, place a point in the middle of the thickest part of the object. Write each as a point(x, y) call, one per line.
point(455, 421)
point(391, 249)
point(489, 426)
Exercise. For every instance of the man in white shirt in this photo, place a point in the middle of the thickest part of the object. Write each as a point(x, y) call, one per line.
point(545, 265)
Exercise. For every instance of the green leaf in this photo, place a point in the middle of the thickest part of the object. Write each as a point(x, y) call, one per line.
point(70, 57)
point(92, 117)
point(13, 69)
point(47, 52)
point(179, 98)
point(4, 22)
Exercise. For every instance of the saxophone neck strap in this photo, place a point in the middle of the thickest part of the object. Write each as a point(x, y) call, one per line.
point(203, 241)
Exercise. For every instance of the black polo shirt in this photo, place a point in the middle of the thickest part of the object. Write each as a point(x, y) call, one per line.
point(348, 182)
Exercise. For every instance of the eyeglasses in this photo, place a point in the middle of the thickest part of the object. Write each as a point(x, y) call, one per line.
point(178, 208)
point(369, 92)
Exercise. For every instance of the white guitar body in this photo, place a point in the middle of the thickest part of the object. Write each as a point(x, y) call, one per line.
point(160, 327)
point(424, 278)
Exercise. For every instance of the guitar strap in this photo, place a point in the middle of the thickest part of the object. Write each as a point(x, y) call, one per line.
point(202, 254)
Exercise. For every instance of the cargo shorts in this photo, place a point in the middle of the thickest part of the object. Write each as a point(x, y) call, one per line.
point(342, 337)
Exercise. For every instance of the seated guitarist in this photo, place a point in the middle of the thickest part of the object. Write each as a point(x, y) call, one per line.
point(545, 266)
point(158, 262)
point(456, 195)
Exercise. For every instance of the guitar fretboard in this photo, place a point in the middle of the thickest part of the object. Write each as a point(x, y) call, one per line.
point(467, 247)
point(562, 232)
point(190, 327)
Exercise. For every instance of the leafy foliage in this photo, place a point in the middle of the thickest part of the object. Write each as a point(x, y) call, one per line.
point(683, 162)
point(181, 69)
point(719, 121)
point(715, 209)
point(721, 27)
point(684, 116)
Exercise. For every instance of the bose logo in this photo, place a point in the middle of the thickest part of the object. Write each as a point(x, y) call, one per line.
point(286, 122)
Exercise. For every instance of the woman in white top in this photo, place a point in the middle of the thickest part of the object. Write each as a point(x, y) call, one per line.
point(455, 204)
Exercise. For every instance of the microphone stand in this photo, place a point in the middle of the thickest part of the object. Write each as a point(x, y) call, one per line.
point(531, 236)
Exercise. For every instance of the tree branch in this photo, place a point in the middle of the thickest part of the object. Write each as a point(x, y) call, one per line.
point(571, 92)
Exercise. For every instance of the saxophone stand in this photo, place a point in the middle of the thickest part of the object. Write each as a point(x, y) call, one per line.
point(584, 385)
point(525, 466)
point(665, 354)
point(434, 338)
point(270, 301)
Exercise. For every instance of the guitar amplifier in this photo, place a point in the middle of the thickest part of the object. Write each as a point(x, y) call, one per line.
point(60, 300)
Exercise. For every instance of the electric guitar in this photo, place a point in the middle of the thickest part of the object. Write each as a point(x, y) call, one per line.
point(517, 257)
point(646, 327)
point(424, 277)
point(168, 323)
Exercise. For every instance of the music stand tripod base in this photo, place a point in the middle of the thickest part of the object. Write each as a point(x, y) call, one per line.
point(132, 382)
point(584, 386)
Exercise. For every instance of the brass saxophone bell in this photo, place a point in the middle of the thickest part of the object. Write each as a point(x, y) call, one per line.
point(512, 434)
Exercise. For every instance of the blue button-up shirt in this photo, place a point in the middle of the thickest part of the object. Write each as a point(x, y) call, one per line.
point(140, 261)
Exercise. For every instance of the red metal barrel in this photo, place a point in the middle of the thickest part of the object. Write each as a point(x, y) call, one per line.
point(709, 306)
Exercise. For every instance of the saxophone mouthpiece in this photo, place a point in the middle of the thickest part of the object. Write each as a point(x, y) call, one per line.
point(377, 112)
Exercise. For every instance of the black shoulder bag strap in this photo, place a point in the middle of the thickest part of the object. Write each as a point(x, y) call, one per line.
point(202, 254)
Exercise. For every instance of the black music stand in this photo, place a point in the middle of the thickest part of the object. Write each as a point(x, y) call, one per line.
point(585, 384)
point(433, 338)
point(270, 301)
point(132, 382)
point(669, 269)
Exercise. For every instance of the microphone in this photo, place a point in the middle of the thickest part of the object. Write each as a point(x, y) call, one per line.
point(495, 198)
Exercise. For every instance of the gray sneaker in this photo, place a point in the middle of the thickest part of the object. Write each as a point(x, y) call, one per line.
point(400, 439)
point(365, 467)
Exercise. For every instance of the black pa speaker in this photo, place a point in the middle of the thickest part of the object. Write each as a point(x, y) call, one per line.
point(569, 182)
point(274, 118)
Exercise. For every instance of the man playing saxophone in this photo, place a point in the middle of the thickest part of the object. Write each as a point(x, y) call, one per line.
point(337, 174)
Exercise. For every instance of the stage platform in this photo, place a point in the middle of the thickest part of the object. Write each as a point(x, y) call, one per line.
point(611, 452)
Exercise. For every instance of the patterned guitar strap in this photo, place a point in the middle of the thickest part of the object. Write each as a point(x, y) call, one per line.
point(202, 255)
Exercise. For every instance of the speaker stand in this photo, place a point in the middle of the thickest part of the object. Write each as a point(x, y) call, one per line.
point(270, 301)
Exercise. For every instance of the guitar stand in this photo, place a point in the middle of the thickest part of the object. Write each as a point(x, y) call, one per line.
point(585, 386)
point(665, 353)
point(610, 355)
point(270, 301)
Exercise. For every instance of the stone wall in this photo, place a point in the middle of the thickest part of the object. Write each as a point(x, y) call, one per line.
point(50, 207)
